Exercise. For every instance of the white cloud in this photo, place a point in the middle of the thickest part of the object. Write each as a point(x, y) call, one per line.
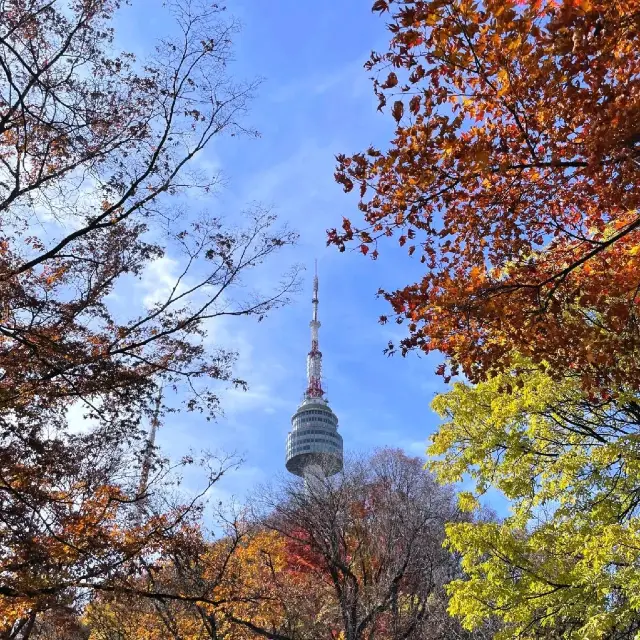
point(158, 279)
point(415, 448)
point(76, 420)
point(259, 397)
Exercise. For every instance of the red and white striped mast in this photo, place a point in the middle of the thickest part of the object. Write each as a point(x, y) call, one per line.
point(314, 357)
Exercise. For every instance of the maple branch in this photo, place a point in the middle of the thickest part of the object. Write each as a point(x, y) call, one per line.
point(263, 633)
point(594, 252)
point(539, 164)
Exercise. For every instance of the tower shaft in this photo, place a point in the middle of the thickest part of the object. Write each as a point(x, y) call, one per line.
point(314, 446)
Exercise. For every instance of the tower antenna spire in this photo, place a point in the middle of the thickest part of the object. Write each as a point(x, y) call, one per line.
point(314, 357)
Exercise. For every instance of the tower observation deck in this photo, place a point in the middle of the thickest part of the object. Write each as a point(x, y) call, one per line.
point(314, 446)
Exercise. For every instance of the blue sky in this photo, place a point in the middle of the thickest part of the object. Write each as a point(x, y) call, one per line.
point(315, 101)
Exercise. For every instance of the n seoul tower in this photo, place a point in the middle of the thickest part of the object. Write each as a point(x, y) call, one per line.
point(314, 446)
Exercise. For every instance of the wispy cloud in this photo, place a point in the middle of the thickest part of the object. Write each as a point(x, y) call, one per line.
point(348, 78)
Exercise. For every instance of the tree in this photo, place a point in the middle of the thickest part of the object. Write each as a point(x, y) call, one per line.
point(93, 146)
point(57, 624)
point(79, 530)
point(368, 545)
point(207, 584)
point(355, 559)
point(98, 155)
point(513, 175)
point(565, 563)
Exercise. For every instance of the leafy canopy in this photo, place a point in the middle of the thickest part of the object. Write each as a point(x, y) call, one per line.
point(96, 156)
point(513, 177)
point(565, 562)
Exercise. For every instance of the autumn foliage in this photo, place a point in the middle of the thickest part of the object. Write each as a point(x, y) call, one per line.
point(96, 158)
point(366, 549)
point(513, 177)
point(224, 588)
point(358, 558)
